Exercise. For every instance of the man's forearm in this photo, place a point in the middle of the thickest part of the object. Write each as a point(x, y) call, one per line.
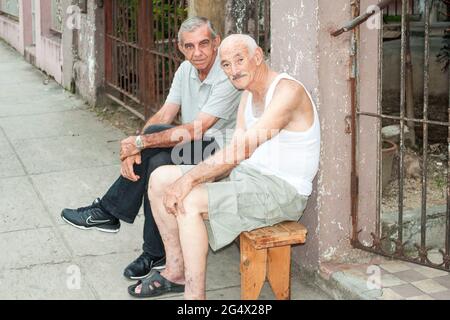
point(155, 119)
point(205, 172)
point(171, 137)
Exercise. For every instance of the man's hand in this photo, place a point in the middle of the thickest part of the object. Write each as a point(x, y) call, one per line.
point(128, 148)
point(126, 168)
point(175, 194)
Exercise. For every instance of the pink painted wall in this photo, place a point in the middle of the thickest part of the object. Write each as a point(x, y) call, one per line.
point(26, 23)
point(49, 55)
point(10, 31)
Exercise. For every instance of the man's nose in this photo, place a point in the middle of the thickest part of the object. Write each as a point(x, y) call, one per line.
point(197, 51)
point(234, 69)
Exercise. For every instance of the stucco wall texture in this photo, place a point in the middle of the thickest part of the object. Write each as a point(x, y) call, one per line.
point(84, 54)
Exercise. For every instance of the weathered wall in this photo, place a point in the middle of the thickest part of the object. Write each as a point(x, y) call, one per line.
point(211, 9)
point(48, 46)
point(10, 31)
point(302, 46)
point(294, 27)
point(368, 128)
point(84, 53)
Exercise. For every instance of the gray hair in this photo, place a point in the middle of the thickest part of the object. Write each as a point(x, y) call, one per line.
point(192, 24)
point(245, 39)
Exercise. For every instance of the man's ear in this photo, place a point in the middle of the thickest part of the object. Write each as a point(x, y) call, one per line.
point(216, 42)
point(259, 55)
point(180, 47)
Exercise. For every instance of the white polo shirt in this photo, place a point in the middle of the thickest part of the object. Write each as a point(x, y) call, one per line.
point(215, 96)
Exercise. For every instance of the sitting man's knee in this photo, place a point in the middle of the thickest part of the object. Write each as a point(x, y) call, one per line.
point(161, 177)
point(195, 204)
point(157, 128)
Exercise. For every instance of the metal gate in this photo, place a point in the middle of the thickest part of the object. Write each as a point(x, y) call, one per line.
point(141, 52)
point(412, 233)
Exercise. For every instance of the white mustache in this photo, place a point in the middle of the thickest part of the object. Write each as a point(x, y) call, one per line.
point(238, 76)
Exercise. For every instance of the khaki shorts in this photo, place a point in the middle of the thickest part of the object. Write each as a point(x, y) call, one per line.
point(248, 200)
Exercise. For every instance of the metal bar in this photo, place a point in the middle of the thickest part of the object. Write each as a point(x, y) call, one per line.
point(440, 266)
point(125, 93)
point(127, 19)
point(123, 104)
point(266, 26)
point(402, 125)
point(256, 19)
point(384, 116)
point(145, 31)
point(136, 46)
point(134, 67)
point(162, 59)
point(447, 229)
point(426, 84)
point(379, 137)
point(108, 41)
point(354, 171)
point(360, 19)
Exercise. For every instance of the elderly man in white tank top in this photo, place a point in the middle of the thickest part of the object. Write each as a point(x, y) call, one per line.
point(269, 168)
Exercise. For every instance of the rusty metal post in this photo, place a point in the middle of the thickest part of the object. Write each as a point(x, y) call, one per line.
point(353, 87)
point(446, 254)
point(426, 83)
point(108, 41)
point(399, 241)
point(144, 42)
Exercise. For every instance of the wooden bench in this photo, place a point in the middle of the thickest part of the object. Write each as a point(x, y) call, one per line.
point(266, 253)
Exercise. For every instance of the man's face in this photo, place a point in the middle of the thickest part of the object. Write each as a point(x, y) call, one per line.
point(237, 64)
point(199, 48)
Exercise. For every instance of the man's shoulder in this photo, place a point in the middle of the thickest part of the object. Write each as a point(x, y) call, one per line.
point(290, 88)
point(184, 66)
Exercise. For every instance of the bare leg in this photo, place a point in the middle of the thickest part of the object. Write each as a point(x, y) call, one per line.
point(194, 242)
point(167, 223)
point(185, 237)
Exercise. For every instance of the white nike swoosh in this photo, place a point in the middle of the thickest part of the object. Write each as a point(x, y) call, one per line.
point(91, 222)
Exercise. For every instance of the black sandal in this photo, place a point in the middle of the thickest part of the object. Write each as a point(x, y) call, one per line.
point(149, 288)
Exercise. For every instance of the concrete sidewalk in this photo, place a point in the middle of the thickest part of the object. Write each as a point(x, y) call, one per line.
point(55, 153)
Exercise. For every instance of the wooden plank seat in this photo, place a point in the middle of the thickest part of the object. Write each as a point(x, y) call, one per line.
point(266, 253)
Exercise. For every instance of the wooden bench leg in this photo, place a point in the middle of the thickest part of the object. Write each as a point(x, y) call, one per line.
point(253, 269)
point(278, 273)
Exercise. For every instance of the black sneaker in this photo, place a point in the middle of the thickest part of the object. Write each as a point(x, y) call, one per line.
point(141, 267)
point(91, 217)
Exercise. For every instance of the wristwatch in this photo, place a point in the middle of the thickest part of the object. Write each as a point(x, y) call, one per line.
point(139, 143)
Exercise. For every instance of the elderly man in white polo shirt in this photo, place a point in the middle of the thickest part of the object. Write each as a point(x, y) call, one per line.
point(208, 104)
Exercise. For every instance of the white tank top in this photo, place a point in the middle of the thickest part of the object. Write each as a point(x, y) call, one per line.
point(290, 155)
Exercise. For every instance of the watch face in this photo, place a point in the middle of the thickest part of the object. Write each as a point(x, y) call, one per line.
point(139, 143)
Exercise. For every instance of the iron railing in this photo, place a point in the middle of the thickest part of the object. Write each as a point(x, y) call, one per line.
point(141, 51)
point(418, 252)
